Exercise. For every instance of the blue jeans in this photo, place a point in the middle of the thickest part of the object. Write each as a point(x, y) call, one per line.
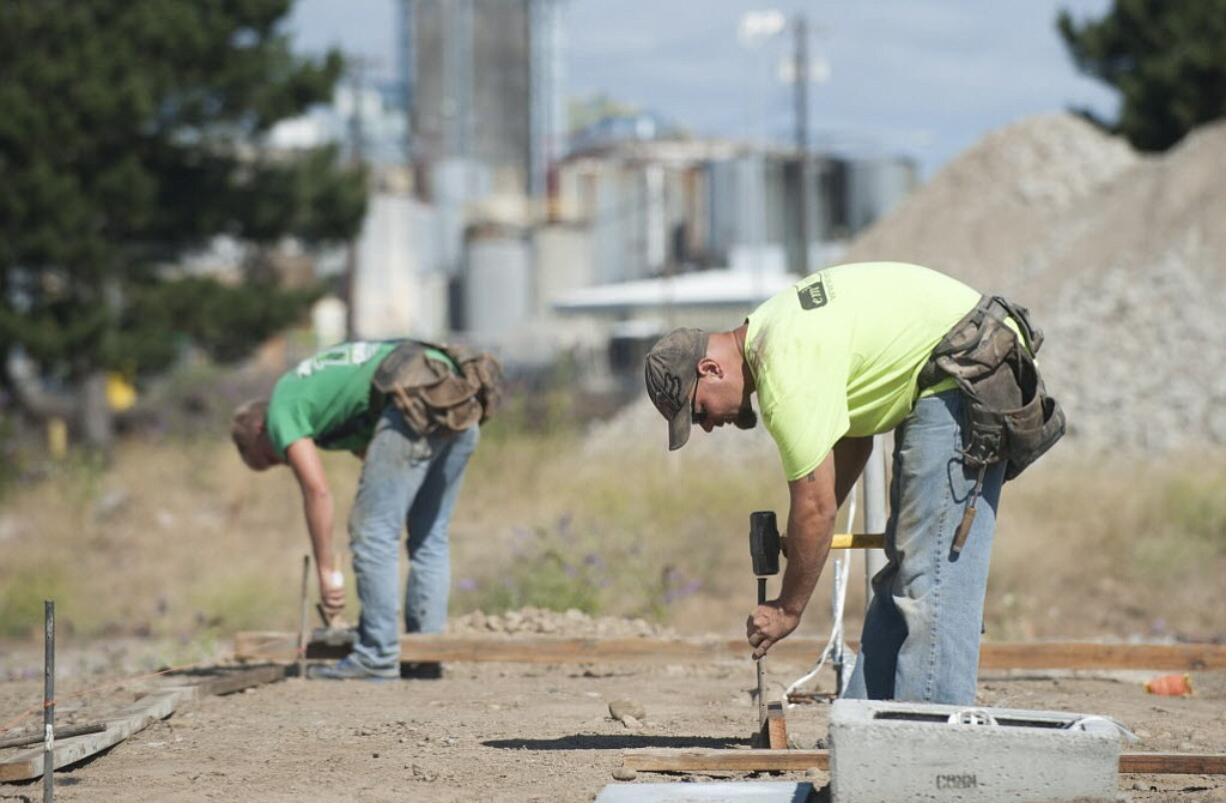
point(413, 480)
point(921, 633)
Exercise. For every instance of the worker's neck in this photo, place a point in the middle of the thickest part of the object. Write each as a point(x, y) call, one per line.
point(738, 338)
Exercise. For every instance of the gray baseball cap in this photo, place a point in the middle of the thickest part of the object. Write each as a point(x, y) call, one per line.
point(672, 374)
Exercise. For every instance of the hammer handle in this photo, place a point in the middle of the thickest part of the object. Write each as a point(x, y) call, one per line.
point(762, 711)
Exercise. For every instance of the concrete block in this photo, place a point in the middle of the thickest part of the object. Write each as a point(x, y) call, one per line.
point(882, 750)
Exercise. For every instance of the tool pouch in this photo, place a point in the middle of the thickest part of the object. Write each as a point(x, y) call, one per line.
point(1010, 417)
point(431, 396)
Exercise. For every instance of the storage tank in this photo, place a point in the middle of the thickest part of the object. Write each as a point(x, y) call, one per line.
point(498, 288)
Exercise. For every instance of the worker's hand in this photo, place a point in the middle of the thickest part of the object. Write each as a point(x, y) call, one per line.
point(767, 624)
point(331, 592)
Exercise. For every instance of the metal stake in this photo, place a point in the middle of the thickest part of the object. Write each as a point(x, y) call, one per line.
point(302, 621)
point(48, 700)
point(758, 665)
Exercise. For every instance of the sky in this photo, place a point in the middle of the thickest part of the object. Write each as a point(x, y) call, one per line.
point(922, 78)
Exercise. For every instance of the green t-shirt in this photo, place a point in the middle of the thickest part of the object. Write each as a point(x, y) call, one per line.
point(839, 353)
point(330, 392)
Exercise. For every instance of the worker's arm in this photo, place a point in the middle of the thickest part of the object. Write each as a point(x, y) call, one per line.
point(810, 528)
point(317, 505)
point(850, 455)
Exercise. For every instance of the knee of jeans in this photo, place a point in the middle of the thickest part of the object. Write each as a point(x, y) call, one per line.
point(372, 535)
point(917, 611)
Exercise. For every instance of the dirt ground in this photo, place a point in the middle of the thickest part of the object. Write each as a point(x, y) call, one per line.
point(503, 732)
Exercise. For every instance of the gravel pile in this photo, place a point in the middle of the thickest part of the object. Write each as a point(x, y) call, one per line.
point(1121, 258)
point(571, 624)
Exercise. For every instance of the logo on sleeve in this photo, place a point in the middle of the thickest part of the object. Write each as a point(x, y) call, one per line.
point(812, 295)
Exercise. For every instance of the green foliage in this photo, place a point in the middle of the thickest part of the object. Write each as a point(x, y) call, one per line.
point(1167, 60)
point(132, 134)
point(240, 601)
point(1195, 508)
point(224, 320)
point(21, 599)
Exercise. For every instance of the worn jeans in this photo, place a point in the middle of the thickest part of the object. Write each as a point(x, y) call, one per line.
point(921, 633)
point(413, 480)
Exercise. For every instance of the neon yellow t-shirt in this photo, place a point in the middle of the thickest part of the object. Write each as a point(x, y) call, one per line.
point(839, 353)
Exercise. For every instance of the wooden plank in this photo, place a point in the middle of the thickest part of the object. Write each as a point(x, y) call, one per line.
point(1174, 763)
point(60, 733)
point(230, 681)
point(763, 760)
point(136, 717)
point(799, 760)
point(275, 646)
point(1079, 655)
point(29, 764)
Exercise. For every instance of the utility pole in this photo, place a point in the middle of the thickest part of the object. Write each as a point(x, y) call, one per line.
point(406, 72)
point(800, 89)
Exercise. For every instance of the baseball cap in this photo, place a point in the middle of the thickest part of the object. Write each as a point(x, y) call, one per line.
point(671, 374)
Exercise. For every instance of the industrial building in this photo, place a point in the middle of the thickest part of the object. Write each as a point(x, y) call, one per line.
point(500, 225)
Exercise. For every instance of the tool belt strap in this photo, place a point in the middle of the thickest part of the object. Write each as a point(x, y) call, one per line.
point(1010, 415)
point(431, 396)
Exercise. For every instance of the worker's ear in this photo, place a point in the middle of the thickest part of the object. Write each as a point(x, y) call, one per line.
point(709, 367)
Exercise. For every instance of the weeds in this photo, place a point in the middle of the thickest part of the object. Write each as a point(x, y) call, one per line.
point(21, 599)
point(199, 547)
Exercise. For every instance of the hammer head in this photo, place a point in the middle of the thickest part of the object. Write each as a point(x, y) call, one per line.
point(764, 542)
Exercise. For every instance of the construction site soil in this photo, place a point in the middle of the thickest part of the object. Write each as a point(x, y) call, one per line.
point(510, 732)
point(1120, 256)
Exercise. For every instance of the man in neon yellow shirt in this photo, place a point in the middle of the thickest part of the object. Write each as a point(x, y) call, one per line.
point(834, 360)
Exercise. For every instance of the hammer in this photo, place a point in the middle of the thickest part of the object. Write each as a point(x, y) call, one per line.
point(764, 550)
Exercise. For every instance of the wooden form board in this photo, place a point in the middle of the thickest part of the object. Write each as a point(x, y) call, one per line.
point(159, 704)
point(800, 760)
point(278, 646)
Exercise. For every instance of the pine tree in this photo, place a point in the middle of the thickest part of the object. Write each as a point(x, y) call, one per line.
point(1167, 59)
point(131, 133)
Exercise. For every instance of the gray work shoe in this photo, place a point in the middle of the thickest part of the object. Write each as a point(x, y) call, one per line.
point(348, 669)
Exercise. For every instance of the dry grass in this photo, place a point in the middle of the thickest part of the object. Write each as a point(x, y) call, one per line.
point(178, 540)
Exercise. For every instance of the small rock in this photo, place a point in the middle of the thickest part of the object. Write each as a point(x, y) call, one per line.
point(624, 774)
point(631, 722)
point(622, 708)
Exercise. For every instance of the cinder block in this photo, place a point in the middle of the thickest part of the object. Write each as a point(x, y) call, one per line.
point(909, 751)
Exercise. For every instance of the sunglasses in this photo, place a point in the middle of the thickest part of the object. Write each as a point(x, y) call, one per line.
point(695, 416)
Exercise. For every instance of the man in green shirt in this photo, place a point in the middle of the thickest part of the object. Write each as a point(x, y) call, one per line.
point(834, 360)
point(326, 402)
